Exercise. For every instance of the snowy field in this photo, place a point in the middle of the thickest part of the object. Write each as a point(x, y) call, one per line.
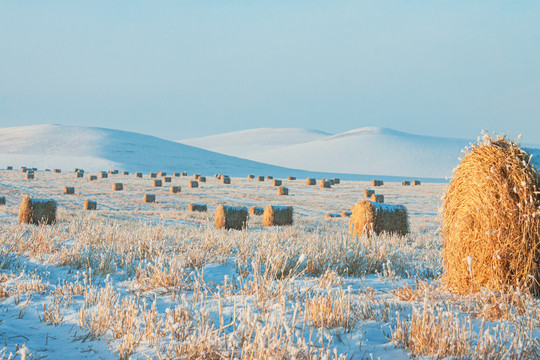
point(152, 280)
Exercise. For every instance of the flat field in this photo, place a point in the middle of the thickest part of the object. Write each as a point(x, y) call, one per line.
point(153, 280)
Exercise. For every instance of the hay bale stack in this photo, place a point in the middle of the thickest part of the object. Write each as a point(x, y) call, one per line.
point(225, 180)
point(255, 210)
point(2, 200)
point(231, 217)
point(92, 177)
point(118, 187)
point(152, 175)
point(125, 173)
point(197, 207)
point(193, 184)
point(149, 198)
point(175, 189)
point(196, 176)
point(368, 193)
point(406, 183)
point(251, 176)
point(103, 175)
point(379, 198)
point(377, 183)
point(291, 178)
point(260, 178)
point(491, 222)
point(332, 215)
point(371, 218)
point(69, 190)
point(282, 190)
point(89, 205)
point(269, 177)
point(201, 178)
point(29, 175)
point(276, 182)
point(416, 182)
point(167, 179)
point(138, 175)
point(157, 183)
point(80, 174)
point(176, 174)
point(337, 181)
point(311, 181)
point(278, 215)
point(37, 211)
point(57, 171)
point(324, 184)
point(346, 213)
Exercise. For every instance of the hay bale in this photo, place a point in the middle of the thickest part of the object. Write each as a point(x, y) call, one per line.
point(278, 215)
point(184, 173)
point(231, 217)
point(346, 213)
point(255, 210)
point(2, 200)
point(332, 215)
point(57, 171)
point(175, 189)
point(379, 198)
point(161, 173)
point(269, 177)
point(491, 222)
point(197, 207)
point(103, 175)
point(167, 179)
point(34, 169)
point(201, 178)
point(332, 182)
point(311, 181)
point(193, 184)
point(377, 183)
point(282, 190)
point(80, 174)
point(149, 198)
point(291, 178)
point(337, 181)
point(29, 175)
point(260, 178)
point(276, 182)
point(251, 176)
point(69, 190)
point(37, 211)
point(176, 174)
point(113, 172)
point(10, 167)
point(196, 176)
point(23, 169)
point(152, 175)
point(125, 173)
point(416, 182)
point(139, 174)
point(89, 205)
point(406, 183)
point(368, 193)
point(371, 218)
point(225, 180)
point(118, 187)
point(324, 184)
point(92, 177)
point(157, 183)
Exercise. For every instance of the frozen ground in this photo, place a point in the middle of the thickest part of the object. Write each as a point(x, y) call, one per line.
point(145, 280)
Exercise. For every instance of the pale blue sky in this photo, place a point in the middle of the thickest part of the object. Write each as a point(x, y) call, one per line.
point(178, 69)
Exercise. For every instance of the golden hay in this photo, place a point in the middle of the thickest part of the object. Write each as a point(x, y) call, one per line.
point(29, 175)
point(278, 215)
point(23, 169)
point(372, 218)
point(255, 210)
point(260, 178)
point(377, 183)
point(324, 184)
point(406, 183)
point(89, 205)
point(282, 190)
point(162, 173)
point(176, 174)
point(175, 189)
point(197, 207)
point(2, 200)
point(491, 220)
point(125, 173)
point(311, 181)
point(37, 211)
point(69, 190)
point(184, 173)
point(113, 172)
point(269, 177)
point(57, 171)
point(368, 193)
point(139, 174)
point(225, 180)
point(346, 213)
point(276, 182)
point(377, 198)
point(251, 176)
point(152, 175)
point(149, 198)
point(79, 174)
point(196, 176)
point(193, 184)
point(201, 178)
point(416, 182)
point(167, 179)
point(92, 177)
point(291, 178)
point(118, 187)
point(231, 217)
point(157, 183)
point(103, 175)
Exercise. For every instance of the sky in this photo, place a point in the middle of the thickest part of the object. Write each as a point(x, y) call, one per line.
point(181, 69)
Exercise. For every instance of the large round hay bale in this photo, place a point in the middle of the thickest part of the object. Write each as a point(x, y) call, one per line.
point(377, 198)
point(377, 183)
point(251, 176)
point(269, 177)
point(337, 181)
point(193, 184)
point(113, 172)
point(125, 173)
point(149, 198)
point(278, 215)
point(89, 205)
point(416, 182)
point(29, 175)
point(406, 183)
point(57, 171)
point(291, 178)
point(260, 178)
point(196, 176)
point(332, 181)
point(175, 189)
point(176, 174)
point(311, 181)
point(79, 174)
point(197, 207)
point(372, 218)
point(225, 180)
point(368, 193)
point(118, 187)
point(69, 190)
point(201, 179)
point(37, 211)
point(324, 184)
point(103, 175)
point(282, 191)
point(152, 175)
point(10, 168)
point(231, 217)
point(276, 182)
point(138, 175)
point(184, 173)
point(167, 179)
point(157, 183)
point(92, 177)
point(255, 210)
point(491, 222)
point(161, 174)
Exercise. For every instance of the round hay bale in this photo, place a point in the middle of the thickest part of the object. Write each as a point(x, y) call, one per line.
point(29, 175)
point(193, 184)
point(175, 189)
point(251, 176)
point(149, 198)
point(197, 207)
point(255, 210)
point(167, 179)
point(377, 183)
point(113, 172)
point(103, 175)
point(291, 178)
point(368, 193)
point(184, 173)
point(2, 200)
point(406, 183)
point(231, 217)
point(176, 174)
point(311, 181)
point(282, 191)
point(371, 218)
point(269, 177)
point(416, 182)
point(23, 169)
point(276, 182)
point(10, 168)
point(201, 178)
point(337, 181)
point(152, 175)
point(332, 215)
point(138, 175)
point(89, 205)
point(491, 220)
point(79, 174)
point(346, 213)
point(162, 174)
point(157, 183)
point(377, 198)
point(278, 215)
point(125, 173)
point(196, 176)
point(37, 211)
point(92, 177)
point(118, 187)
point(225, 180)
point(324, 184)
point(260, 178)
point(332, 182)
point(69, 190)
point(57, 171)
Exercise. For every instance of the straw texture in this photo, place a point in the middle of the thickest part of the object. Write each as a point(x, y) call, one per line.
point(371, 218)
point(231, 217)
